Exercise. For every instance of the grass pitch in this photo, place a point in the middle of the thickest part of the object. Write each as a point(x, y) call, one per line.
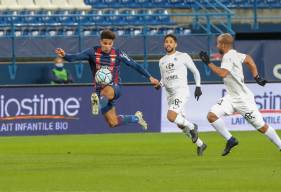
point(138, 162)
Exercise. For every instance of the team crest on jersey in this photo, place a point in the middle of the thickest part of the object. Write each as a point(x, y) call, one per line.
point(170, 66)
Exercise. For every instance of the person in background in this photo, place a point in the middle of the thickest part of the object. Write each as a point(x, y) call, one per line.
point(58, 74)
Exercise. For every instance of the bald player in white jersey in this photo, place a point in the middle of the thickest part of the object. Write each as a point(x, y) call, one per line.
point(238, 98)
point(173, 68)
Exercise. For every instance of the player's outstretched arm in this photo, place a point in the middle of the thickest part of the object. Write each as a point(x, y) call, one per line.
point(131, 63)
point(191, 66)
point(84, 55)
point(217, 70)
point(253, 68)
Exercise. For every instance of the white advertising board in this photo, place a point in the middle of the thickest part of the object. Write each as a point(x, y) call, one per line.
point(268, 101)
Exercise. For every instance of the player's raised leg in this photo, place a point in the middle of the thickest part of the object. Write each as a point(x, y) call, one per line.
point(190, 129)
point(271, 134)
point(115, 120)
point(107, 105)
point(219, 125)
point(254, 117)
point(221, 108)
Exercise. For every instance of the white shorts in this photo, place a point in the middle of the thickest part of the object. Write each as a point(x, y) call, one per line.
point(177, 100)
point(246, 107)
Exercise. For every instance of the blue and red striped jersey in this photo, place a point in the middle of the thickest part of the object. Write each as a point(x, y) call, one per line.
point(112, 61)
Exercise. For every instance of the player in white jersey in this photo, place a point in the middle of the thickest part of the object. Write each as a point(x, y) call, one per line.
point(238, 98)
point(173, 68)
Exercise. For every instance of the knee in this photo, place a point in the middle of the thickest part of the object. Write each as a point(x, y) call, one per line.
point(113, 123)
point(171, 117)
point(263, 129)
point(211, 117)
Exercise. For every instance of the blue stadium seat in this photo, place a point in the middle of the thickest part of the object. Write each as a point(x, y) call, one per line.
point(182, 31)
point(70, 32)
point(260, 3)
point(9, 17)
point(64, 17)
point(136, 32)
point(99, 17)
point(143, 3)
point(273, 3)
point(177, 3)
point(148, 18)
point(2, 33)
point(28, 17)
point(131, 17)
point(160, 3)
point(119, 31)
point(114, 17)
point(51, 32)
point(152, 31)
point(128, 4)
point(84, 18)
point(163, 19)
point(33, 32)
point(112, 3)
point(47, 17)
point(97, 3)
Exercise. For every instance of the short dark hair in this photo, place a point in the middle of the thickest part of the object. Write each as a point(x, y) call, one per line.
point(172, 36)
point(107, 34)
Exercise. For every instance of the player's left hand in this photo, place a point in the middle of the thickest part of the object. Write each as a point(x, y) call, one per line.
point(197, 93)
point(261, 81)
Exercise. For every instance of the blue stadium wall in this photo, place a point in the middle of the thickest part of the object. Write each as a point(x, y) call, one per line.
point(266, 54)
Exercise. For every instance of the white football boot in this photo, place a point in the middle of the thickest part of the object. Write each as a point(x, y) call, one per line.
point(141, 121)
point(95, 104)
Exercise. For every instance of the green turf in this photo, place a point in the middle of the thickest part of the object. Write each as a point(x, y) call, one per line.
point(137, 162)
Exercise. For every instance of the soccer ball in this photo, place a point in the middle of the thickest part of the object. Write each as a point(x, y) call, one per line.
point(103, 76)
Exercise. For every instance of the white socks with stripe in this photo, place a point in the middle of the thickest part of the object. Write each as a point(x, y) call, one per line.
point(220, 127)
point(273, 136)
point(181, 121)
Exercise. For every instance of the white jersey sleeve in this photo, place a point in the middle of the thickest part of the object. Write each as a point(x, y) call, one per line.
point(191, 66)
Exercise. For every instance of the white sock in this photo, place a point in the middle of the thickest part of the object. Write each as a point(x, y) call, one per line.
point(273, 137)
point(220, 127)
point(186, 132)
point(199, 142)
point(180, 120)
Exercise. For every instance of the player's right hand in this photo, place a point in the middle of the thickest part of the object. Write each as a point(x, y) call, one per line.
point(153, 81)
point(158, 86)
point(60, 52)
point(204, 57)
point(261, 81)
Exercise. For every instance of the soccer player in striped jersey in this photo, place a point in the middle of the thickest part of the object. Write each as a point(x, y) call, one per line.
point(105, 55)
